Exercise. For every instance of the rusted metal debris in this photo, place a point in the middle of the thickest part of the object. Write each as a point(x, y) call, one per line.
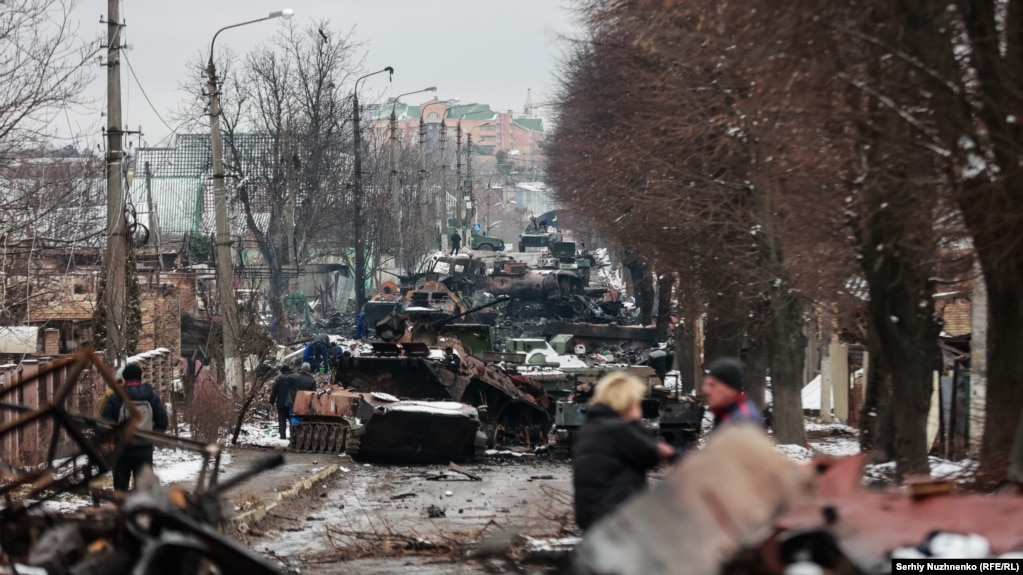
point(155, 530)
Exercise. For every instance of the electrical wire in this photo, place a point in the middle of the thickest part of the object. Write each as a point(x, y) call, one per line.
point(145, 95)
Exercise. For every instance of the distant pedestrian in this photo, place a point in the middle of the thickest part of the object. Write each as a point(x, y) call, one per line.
point(320, 353)
point(304, 381)
point(451, 360)
point(456, 243)
point(723, 390)
point(612, 450)
point(154, 418)
point(360, 324)
point(282, 398)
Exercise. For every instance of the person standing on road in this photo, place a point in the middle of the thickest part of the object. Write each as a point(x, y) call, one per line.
point(456, 243)
point(282, 397)
point(723, 390)
point(612, 451)
point(360, 324)
point(154, 418)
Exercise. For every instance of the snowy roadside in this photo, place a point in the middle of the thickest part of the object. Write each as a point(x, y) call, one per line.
point(840, 440)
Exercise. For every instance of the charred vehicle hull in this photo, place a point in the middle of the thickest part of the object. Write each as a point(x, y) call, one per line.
point(380, 427)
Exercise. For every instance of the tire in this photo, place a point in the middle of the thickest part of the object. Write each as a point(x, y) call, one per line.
point(486, 247)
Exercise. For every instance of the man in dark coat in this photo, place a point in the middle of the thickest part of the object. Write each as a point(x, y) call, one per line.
point(612, 451)
point(456, 243)
point(154, 418)
point(282, 397)
point(304, 381)
point(723, 389)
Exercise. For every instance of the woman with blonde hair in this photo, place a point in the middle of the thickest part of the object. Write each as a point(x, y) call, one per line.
point(612, 451)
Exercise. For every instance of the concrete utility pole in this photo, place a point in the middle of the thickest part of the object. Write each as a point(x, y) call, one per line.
point(459, 192)
point(393, 183)
point(154, 221)
point(421, 181)
point(467, 191)
point(357, 221)
point(114, 294)
point(442, 207)
point(233, 369)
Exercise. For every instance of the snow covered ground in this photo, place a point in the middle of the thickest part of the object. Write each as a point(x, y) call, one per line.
point(840, 440)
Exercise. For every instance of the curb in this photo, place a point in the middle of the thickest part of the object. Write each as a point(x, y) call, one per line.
point(261, 511)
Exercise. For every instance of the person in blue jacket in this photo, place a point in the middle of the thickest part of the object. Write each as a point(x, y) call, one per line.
point(154, 418)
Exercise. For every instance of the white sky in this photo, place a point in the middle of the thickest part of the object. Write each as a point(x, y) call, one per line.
point(486, 51)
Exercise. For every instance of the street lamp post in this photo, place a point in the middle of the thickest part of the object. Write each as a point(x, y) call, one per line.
point(225, 268)
point(393, 181)
point(357, 221)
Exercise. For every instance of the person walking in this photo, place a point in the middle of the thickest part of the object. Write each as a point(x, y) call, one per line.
point(456, 243)
point(612, 450)
point(282, 398)
point(139, 454)
point(723, 390)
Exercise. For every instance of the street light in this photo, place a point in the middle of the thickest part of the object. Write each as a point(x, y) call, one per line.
point(393, 181)
point(360, 257)
point(225, 268)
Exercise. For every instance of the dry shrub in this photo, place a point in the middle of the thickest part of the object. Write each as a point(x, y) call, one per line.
point(210, 412)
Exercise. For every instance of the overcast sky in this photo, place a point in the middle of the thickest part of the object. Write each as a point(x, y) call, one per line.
point(486, 51)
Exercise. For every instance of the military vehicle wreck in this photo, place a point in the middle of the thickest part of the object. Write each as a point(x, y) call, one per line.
point(380, 427)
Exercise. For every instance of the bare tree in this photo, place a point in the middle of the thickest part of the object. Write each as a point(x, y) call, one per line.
point(43, 70)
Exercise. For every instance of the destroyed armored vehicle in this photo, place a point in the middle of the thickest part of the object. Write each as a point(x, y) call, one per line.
point(569, 381)
point(379, 427)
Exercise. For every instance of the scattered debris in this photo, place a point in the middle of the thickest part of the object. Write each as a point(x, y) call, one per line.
point(459, 469)
point(434, 512)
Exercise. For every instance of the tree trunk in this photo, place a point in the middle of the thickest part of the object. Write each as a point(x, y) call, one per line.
point(1004, 366)
point(686, 361)
point(877, 437)
point(665, 283)
point(787, 350)
point(757, 363)
point(906, 335)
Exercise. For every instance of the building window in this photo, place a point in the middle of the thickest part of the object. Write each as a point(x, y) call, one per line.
point(433, 116)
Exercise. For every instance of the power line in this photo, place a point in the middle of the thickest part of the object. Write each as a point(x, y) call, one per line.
point(144, 94)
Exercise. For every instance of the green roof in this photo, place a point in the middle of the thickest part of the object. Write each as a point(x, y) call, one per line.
point(531, 124)
point(178, 203)
point(472, 112)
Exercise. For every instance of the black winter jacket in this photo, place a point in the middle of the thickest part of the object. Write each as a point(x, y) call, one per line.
point(138, 392)
point(610, 459)
point(282, 394)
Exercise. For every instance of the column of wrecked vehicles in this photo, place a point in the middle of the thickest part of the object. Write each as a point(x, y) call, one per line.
point(435, 387)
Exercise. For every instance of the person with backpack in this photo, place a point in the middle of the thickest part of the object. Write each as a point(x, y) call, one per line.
point(282, 397)
point(154, 418)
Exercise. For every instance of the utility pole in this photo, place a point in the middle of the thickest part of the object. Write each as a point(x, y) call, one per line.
point(424, 211)
point(442, 208)
point(114, 259)
point(357, 216)
point(392, 183)
point(467, 191)
point(154, 221)
point(459, 195)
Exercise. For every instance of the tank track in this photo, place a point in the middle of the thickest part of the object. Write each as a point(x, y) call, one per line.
point(314, 437)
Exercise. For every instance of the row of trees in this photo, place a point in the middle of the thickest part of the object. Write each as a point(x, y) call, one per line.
point(767, 159)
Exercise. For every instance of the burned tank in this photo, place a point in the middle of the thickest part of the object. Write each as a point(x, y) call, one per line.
point(377, 426)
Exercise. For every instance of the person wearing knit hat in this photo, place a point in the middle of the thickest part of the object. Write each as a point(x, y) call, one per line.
point(723, 390)
point(152, 416)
